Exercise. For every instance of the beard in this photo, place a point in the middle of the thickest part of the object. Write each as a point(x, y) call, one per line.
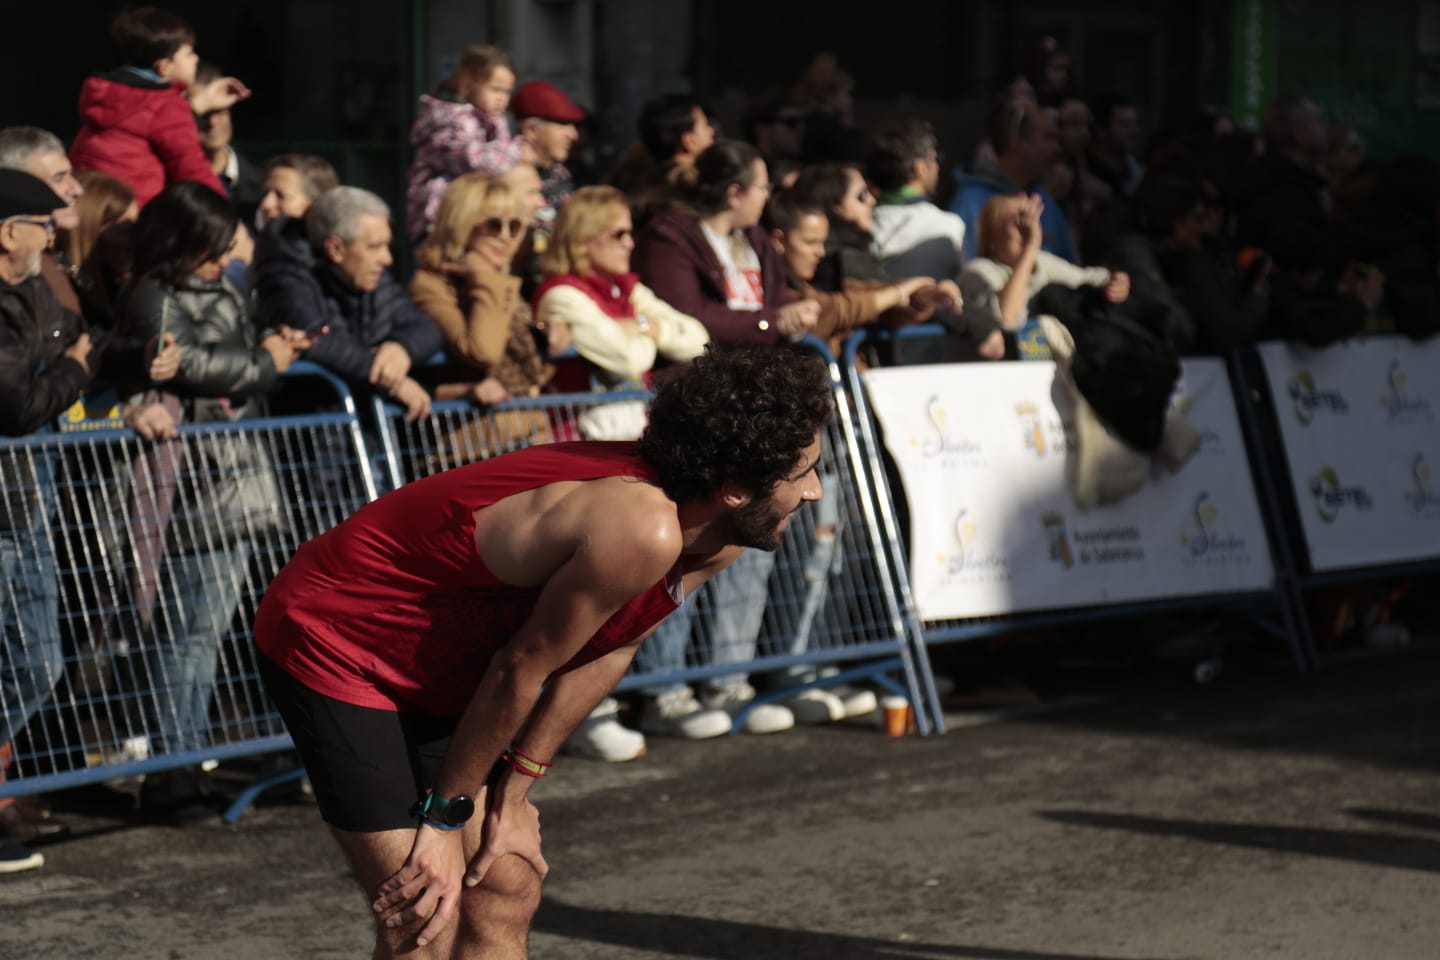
point(756, 525)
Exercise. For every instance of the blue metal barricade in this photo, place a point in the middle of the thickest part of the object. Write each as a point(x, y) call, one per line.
point(821, 611)
point(132, 572)
point(1270, 607)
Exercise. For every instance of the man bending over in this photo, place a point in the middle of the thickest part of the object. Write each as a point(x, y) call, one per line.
point(431, 654)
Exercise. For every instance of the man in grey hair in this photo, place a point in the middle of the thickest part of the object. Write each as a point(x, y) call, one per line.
point(41, 154)
point(328, 274)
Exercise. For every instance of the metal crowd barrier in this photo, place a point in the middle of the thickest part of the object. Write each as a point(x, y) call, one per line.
point(132, 574)
point(1272, 608)
point(132, 570)
point(825, 614)
point(1323, 470)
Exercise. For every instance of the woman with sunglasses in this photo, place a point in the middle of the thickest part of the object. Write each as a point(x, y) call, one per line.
point(620, 328)
point(463, 283)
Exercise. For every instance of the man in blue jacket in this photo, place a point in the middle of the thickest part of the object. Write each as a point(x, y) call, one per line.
point(328, 276)
point(1027, 142)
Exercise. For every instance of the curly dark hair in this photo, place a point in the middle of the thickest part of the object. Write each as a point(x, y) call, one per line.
point(740, 415)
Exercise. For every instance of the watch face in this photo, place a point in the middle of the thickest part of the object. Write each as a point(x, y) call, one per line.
point(459, 810)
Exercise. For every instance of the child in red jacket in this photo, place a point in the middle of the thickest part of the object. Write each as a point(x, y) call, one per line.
point(138, 124)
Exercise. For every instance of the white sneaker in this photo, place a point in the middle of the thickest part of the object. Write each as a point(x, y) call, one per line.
point(679, 714)
point(766, 718)
point(811, 707)
point(857, 701)
point(601, 736)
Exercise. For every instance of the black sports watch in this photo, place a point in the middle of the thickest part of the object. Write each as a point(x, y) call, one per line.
point(451, 814)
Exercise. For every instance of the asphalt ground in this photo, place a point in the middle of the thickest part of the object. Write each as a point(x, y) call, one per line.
point(1138, 816)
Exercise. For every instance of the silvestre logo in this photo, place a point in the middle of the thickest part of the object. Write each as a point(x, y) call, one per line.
point(1400, 406)
point(1308, 399)
point(941, 443)
point(1420, 497)
point(965, 559)
point(1331, 496)
point(1202, 537)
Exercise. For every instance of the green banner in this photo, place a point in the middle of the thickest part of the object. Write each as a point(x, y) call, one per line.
point(1252, 60)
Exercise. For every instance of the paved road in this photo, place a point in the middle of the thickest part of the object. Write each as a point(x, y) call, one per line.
point(1267, 817)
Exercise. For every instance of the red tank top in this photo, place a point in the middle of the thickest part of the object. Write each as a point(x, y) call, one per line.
point(394, 608)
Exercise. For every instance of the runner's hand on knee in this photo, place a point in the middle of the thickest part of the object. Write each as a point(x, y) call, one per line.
point(428, 886)
point(512, 827)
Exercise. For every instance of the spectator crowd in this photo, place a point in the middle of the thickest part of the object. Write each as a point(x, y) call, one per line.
point(152, 259)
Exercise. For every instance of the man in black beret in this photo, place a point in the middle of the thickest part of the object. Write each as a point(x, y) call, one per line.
point(46, 362)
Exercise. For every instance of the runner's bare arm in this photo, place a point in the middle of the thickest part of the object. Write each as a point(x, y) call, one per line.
point(620, 548)
point(512, 824)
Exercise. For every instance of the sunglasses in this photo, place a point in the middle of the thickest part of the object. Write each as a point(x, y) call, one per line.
point(496, 227)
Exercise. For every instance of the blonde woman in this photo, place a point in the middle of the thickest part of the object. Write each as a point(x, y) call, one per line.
point(105, 202)
point(1012, 268)
point(463, 283)
point(617, 323)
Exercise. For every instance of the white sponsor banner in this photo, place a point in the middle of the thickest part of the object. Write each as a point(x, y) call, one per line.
point(981, 452)
point(1360, 426)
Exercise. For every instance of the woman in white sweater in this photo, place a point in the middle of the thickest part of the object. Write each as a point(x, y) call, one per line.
point(1011, 268)
point(617, 324)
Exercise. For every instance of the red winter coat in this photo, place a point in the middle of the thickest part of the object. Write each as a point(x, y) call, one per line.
point(140, 132)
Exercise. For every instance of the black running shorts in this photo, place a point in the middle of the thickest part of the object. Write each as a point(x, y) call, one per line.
point(368, 767)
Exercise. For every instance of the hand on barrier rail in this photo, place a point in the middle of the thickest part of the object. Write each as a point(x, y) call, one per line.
point(429, 885)
point(390, 366)
point(797, 319)
point(489, 392)
point(413, 398)
point(151, 421)
point(163, 361)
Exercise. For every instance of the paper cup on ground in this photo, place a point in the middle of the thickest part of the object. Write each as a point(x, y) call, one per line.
point(896, 715)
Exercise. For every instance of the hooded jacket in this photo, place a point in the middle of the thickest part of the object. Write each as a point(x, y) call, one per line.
point(915, 238)
point(140, 132)
point(451, 137)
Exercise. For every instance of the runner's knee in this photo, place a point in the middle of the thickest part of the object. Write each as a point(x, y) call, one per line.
point(504, 902)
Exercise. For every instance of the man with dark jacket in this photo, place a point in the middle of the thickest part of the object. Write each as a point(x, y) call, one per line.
point(327, 275)
point(45, 364)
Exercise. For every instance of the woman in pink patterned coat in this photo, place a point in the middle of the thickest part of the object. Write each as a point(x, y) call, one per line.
point(461, 128)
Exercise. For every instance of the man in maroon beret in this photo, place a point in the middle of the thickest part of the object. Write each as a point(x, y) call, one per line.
point(547, 119)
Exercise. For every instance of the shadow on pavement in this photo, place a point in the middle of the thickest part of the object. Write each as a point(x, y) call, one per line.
point(1398, 818)
point(1406, 852)
point(710, 939)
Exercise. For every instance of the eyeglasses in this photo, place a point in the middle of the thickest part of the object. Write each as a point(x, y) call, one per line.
point(48, 223)
point(765, 188)
point(496, 227)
